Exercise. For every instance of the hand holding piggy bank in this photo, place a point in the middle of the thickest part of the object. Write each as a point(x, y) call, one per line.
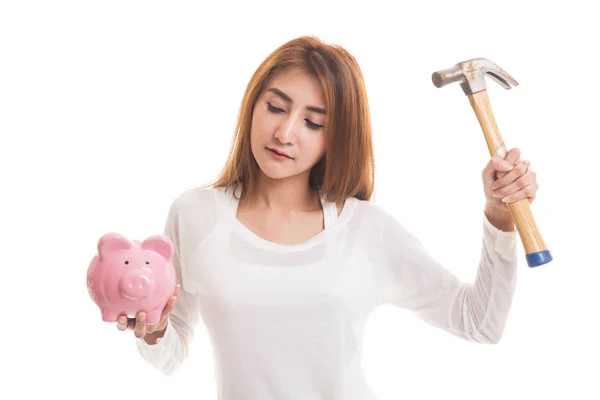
point(128, 277)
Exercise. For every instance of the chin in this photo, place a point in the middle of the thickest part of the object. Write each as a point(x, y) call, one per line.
point(275, 173)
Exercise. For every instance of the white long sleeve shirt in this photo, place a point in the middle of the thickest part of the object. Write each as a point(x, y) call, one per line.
point(286, 321)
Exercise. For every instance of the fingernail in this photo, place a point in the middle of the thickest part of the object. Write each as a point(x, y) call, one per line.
point(506, 165)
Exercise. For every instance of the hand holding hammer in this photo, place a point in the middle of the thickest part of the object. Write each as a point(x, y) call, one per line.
point(472, 77)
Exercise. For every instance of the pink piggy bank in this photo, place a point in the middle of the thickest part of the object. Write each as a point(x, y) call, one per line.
point(127, 277)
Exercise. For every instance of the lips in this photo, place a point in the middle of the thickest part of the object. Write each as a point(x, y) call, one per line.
point(280, 152)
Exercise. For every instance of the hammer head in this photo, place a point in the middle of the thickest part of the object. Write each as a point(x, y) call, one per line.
point(471, 75)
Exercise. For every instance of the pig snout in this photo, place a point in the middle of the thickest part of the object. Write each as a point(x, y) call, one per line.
point(136, 285)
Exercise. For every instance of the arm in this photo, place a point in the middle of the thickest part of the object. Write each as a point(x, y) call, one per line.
point(473, 311)
point(170, 352)
point(501, 220)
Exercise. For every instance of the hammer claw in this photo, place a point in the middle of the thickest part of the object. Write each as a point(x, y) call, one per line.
point(503, 82)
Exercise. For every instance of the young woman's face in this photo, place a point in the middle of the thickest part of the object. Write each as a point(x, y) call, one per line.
point(288, 117)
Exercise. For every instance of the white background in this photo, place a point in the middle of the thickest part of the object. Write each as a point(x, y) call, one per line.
point(109, 110)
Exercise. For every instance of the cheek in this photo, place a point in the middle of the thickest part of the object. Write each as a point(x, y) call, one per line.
point(314, 146)
point(257, 132)
point(319, 144)
point(262, 124)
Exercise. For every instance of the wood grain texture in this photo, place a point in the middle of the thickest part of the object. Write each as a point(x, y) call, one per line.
point(520, 210)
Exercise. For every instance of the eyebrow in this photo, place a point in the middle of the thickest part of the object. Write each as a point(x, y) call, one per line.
point(289, 100)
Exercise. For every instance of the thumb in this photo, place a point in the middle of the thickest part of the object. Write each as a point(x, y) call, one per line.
point(496, 167)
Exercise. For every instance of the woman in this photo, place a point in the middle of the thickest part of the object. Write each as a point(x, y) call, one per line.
point(285, 256)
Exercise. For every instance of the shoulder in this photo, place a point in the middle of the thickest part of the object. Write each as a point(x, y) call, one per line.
point(383, 229)
point(194, 211)
point(194, 199)
point(372, 226)
point(372, 211)
point(374, 219)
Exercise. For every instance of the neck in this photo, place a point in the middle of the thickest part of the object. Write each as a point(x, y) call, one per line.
point(285, 196)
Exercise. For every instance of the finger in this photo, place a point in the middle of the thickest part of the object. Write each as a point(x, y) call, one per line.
point(494, 166)
point(499, 167)
point(526, 192)
point(122, 323)
point(169, 307)
point(150, 328)
point(513, 156)
point(140, 325)
point(177, 287)
point(515, 186)
point(519, 171)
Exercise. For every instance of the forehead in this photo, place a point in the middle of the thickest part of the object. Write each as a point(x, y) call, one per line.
point(302, 87)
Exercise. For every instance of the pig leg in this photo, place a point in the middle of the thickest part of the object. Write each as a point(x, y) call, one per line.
point(109, 315)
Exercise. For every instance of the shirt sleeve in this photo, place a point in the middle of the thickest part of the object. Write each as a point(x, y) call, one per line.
point(473, 311)
point(170, 352)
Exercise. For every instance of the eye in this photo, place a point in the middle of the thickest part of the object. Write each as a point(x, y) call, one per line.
point(274, 110)
point(148, 262)
point(126, 262)
point(312, 125)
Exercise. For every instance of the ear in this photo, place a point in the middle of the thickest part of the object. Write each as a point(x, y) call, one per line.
point(159, 244)
point(112, 242)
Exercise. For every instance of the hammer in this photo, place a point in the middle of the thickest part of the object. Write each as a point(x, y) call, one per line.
point(471, 76)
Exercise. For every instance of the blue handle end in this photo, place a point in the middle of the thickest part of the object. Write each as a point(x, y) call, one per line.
point(539, 258)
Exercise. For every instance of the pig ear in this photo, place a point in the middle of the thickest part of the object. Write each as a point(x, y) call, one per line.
point(159, 244)
point(112, 242)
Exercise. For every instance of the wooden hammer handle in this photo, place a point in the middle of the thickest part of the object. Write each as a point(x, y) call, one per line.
point(535, 249)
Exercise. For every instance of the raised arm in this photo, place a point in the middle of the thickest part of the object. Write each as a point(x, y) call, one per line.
point(476, 311)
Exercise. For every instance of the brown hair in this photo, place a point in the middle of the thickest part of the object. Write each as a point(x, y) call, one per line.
point(347, 168)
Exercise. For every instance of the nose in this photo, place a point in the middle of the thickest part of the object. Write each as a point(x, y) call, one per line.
point(288, 128)
point(136, 285)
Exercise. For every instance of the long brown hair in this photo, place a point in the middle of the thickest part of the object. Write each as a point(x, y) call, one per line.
point(347, 169)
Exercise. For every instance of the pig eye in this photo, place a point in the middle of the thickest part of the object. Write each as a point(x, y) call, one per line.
point(148, 262)
point(126, 262)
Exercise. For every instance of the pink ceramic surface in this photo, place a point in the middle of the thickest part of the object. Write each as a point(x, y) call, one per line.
point(127, 277)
